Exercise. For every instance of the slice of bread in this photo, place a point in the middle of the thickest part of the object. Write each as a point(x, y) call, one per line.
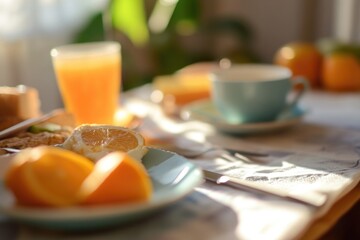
point(21, 102)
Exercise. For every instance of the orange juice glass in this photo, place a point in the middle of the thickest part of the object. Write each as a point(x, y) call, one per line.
point(89, 79)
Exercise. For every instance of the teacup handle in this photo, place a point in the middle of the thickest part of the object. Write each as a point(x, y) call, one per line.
point(299, 93)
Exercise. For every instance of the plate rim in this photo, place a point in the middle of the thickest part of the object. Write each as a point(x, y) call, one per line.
point(82, 213)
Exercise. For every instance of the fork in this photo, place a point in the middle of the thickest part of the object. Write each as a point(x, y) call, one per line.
point(240, 154)
point(191, 153)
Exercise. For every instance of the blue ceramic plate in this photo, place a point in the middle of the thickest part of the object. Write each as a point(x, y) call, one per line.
point(173, 177)
point(205, 111)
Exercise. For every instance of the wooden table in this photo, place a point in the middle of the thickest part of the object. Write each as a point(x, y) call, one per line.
point(188, 218)
point(339, 110)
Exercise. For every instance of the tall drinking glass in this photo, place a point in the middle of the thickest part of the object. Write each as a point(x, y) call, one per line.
point(89, 79)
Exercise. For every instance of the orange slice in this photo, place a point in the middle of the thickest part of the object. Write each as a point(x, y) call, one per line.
point(116, 178)
point(95, 141)
point(47, 176)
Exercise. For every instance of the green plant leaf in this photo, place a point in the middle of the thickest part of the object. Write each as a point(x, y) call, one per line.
point(128, 17)
point(92, 31)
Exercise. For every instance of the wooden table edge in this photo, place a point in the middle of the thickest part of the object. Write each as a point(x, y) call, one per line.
point(323, 224)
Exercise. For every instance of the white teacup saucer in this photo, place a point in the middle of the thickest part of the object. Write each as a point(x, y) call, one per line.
point(205, 111)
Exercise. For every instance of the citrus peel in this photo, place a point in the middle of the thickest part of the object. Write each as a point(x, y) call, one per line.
point(116, 178)
point(94, 141)
point(47, 176)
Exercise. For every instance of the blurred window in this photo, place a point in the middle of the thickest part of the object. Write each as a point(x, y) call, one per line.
point(22, 18)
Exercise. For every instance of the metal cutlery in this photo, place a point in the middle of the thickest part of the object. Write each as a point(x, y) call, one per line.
point(316, 200)
point(227, 154)
point(27, 123)
point(11, 150)
point(191, 153)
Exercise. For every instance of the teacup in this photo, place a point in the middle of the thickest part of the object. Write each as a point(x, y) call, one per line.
point(246, 93)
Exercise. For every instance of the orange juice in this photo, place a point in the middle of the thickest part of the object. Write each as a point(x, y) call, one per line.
point(89, 80)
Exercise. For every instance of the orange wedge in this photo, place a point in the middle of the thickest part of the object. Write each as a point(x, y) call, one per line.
point(47, 176)
point(95, 141)
point(116, 178)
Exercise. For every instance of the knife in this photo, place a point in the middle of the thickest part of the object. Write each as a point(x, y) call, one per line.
point(316, 200)
point(27, 123)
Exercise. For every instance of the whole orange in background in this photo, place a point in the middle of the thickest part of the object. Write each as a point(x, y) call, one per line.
point(303, 59)
point(341, 72)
